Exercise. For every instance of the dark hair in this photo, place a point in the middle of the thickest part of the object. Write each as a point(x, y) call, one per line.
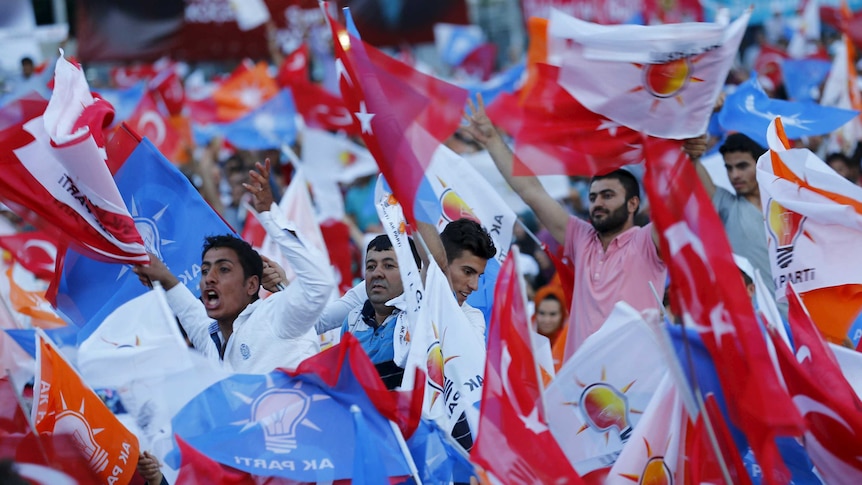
point(252, 263)
point(627, 179)
point(382, 243)
point(746, 279)
point(838, 156)
point(9, 475)
point(737, 142)
point(27, 60)
point(467, 235)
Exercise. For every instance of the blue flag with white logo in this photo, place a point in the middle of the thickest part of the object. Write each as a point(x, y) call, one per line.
point(749, 111)
point(802, 77)
point(436, 458)
point(297, 427)
point(173, 220)
point(269, 126)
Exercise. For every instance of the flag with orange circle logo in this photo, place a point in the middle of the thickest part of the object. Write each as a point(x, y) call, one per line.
point(813, 219)
point(659, 79)
point(63, 404)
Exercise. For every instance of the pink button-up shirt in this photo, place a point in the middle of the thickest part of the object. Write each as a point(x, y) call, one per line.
point(602, 278)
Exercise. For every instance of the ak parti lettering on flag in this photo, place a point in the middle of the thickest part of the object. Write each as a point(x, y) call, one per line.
point(63, 404)
point(55, 172)
point(811, 215)
point(707, 292)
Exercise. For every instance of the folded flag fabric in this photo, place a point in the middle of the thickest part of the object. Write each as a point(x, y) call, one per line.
point(812, 214)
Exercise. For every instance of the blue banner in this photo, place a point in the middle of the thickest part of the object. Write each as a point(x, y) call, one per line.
point(292, 427)
point(173, 220)
point(269, 126)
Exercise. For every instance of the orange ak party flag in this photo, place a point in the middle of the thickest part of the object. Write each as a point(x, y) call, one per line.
point(63, 404)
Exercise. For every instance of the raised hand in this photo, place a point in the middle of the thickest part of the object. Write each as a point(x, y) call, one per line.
point(274, 278)
point(258, 186)
point(155, 271)
point(479, 126)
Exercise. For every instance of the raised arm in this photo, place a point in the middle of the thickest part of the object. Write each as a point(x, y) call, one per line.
point(694, 148)
point(552, 215)
point(305, 298)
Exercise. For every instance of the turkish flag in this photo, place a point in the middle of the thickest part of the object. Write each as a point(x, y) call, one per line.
point(294, 68)
point(36, 251)
point(321, 109)
point(708, 293)
point(512, 424)
point(558, 135)
point(830, 406)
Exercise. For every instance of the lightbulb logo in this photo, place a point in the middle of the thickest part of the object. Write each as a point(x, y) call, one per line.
point(347, 158)
point(605, 407)
point(148, 228)
point(785, 226)
point(435, 364)
point(668, 79)
point(71, 422)
point(279, 411)
point(655, 472)
point(453, 205)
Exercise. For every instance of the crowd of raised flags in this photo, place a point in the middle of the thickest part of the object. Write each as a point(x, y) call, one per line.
point(732, 394)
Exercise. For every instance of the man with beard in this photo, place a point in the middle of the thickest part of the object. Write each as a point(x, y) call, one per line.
point(614, 259)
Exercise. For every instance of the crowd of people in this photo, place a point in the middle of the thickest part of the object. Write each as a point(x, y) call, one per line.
point(251, 319)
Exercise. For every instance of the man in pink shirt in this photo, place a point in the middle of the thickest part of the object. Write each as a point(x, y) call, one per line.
point(614, 260)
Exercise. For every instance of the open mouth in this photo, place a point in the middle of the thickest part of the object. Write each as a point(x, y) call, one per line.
point(210, 299)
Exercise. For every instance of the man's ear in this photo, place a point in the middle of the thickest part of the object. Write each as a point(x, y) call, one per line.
point(252, 285)
point(633, 204)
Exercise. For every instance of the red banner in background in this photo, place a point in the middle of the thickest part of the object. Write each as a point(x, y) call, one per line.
point(199, 30)
point(619, 11)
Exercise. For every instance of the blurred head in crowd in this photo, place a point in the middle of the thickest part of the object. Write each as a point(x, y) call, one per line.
point(740, 160)
point(550, 311)
point(614, 201)
point(845, 167)
point(468, 249)
point(27, 67)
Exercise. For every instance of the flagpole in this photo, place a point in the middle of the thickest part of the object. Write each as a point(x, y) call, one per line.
point(402, 444)
point(522, 285)
point(698, 396)
point(664, 343)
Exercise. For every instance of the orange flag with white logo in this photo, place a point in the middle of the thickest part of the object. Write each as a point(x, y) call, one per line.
point(63, 404)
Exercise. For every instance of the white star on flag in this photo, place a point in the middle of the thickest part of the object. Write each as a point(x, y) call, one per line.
point(364, 118)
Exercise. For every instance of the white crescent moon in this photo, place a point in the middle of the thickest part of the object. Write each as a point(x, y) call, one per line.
point(157, 121)
point(807, 405)
point(803, 353)
point(46, 246)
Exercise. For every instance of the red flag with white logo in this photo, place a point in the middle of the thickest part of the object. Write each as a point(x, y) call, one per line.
point(404, 115)
point(512, 423)
point(832, 410)
point(708, 293)
point(55, 166)
point(294, 68)
point(34, 250)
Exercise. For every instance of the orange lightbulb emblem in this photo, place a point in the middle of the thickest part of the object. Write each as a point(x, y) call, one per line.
point(785, 226)
point(656, 472)
point(666, 80)
point(454, 207)
point(606, 407)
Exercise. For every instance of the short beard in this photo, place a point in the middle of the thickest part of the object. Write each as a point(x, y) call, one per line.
point(614, 221)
